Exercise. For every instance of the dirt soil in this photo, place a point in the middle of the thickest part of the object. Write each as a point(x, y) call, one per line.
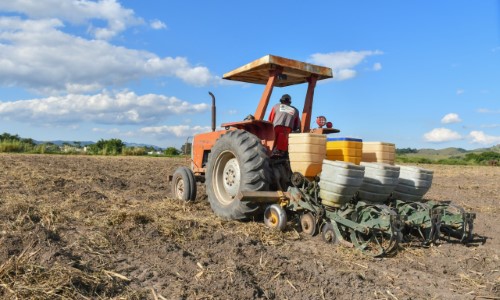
point(80, 227)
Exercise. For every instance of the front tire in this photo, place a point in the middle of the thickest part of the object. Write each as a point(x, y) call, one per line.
point(238, 162)
point(184, 184)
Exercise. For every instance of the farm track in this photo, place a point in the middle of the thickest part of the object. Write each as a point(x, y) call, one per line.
point(83, 227)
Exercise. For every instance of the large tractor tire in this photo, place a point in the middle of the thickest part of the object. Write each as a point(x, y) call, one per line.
point(238, 162)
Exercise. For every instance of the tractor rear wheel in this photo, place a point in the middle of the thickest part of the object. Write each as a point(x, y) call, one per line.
point(238, 162)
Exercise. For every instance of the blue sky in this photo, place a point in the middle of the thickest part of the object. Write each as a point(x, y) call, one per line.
point(420, 74)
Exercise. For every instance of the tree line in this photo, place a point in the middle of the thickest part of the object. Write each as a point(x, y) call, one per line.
point(406, 150)
point(484, 158)
point(17, 144)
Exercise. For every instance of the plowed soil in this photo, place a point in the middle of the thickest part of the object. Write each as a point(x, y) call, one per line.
point(80, 227)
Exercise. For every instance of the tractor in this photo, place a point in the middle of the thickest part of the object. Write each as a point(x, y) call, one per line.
point(369, 206)
point(238, 157)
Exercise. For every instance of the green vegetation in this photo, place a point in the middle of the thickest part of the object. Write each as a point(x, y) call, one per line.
point(485, 157)
point(106, 147)
point(134, 151)
point(16, 144)
point(413, 160)
point(171, 151)
point(469, 158)
point(448, 156)
point(406, 151)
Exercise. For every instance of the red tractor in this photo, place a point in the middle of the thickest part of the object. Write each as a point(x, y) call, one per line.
point(235, 162)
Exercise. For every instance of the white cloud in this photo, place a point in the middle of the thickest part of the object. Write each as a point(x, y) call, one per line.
point(451, 118)
point(460, 91)
point(78, 12)
point(439, 135)
point(163, 132)
point(479, 137)
point(157, 24)
point(35, 54)
point(488, 111)
point(490, 126)
point(156, 132)
point(344, 74)
point(103, 108)
point(377, 66)
point(343, 63)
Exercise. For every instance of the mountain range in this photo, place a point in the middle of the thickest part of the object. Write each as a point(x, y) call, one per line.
point(450, 152)
point(86, 143)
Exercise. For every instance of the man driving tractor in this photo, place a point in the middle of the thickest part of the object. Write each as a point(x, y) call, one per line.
point(285, 119)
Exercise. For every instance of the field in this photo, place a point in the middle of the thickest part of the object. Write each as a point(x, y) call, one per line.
point(82, 227)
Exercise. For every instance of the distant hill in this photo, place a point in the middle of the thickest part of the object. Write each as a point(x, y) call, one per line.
point(60, 142)
point(142, 145)
point(446, 151)
point(449, 152)
point(492, 149)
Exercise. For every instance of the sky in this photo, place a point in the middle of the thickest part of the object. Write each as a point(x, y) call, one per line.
point(420, 74)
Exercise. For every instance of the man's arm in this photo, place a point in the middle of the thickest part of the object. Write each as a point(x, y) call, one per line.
point(296, 123)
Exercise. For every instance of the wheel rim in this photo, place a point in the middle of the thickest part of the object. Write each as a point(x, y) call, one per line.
point(308, 223)
point(328, 233)
point(179, 188)
point(272, 218)
point(275, 217)
point(227, 177)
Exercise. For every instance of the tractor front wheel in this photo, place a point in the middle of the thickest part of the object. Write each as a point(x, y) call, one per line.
point(184, 184)
point(238, 162)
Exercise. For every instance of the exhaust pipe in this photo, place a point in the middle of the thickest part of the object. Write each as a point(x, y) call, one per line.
point(213, 110)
